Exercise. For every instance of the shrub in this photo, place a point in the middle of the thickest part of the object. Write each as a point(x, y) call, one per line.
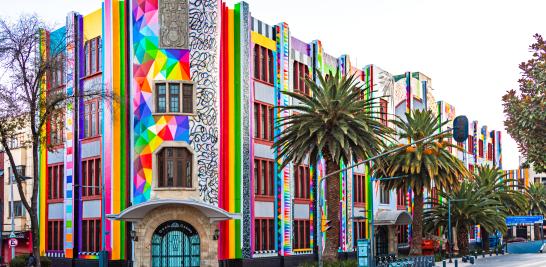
point(21, 261)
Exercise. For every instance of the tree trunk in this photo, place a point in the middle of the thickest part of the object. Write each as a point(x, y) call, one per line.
point(485, 239)
point(332, 201)
point(462, 240)
point(34, 220)
point(417, 224)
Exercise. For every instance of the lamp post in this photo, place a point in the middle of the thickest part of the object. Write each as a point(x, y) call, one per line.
point(449, 225)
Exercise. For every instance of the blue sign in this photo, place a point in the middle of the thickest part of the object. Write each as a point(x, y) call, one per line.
point(363, 246)
point(513, 220)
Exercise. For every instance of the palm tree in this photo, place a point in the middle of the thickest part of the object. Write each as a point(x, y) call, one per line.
point(536, 197)
point(494, 180)
point(480, 206)
point(334, 123)
point(425, 163)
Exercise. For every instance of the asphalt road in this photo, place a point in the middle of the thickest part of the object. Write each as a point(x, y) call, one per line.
point(508, 260)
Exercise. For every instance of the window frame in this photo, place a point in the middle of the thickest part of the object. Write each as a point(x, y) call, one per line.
point(88, 233)
point(298, 79)
point(156, 167)
point(17, 205)
point(91, 191)
point(96, 43)
point(384, 112)
point(56, 128)
point(180, 98)
point(359, 189)
point(55, 183)
point(301, 241)
point(384, 194)
point(269, 243)
point(359, 227)
point(51, 245)
point(87, 121)
point(268, 181)
point(302, 192)
point(264, 70)
point(268, 125)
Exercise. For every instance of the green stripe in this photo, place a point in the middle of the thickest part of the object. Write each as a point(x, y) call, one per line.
point(238, 137)
point(123, 122)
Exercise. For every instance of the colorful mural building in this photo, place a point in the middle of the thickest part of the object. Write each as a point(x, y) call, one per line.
point(178, 169)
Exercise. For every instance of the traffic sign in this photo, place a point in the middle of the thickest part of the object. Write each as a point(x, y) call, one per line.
point(13, 242)
point(12, 235)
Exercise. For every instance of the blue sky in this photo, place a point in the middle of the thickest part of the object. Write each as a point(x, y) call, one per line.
point(471, 49)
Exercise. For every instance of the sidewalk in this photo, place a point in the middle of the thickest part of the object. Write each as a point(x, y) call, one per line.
point(479, 260)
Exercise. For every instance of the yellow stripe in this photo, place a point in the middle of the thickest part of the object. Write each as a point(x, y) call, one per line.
point(116, 190)
point(231, 134)
point(263, 41)
point(92, 24)
point(43, 164)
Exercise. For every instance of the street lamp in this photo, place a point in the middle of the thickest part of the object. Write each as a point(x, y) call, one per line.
point(449, 225)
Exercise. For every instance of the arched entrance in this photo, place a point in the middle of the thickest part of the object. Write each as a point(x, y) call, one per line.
point(175, 244)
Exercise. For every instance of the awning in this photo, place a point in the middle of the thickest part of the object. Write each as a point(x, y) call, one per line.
point(392, 217)
point(137, 212)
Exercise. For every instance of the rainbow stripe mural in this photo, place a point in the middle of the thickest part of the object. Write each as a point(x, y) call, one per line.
point(229, 98)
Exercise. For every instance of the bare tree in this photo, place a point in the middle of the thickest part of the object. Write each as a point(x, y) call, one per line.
point(26, 103)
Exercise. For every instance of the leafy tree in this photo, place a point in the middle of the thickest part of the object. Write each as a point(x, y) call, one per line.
point(480, 206)
point(526, 111)
point(425, 163)
point(26, 103)
point(335, 123)
point(536, 195)
point(493, 180)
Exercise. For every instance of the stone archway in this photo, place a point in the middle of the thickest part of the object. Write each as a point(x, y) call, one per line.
point(146, 228)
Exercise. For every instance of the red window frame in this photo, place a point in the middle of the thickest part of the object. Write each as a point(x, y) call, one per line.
point(302, 234)
point(359, 230)
point(56, 74)
point(401, 199)
point(301, 72)
point(471, 168)
point(55, 186)
point(480, 148)
point(264, 128)
point(263, 64)
point(93, 57)
point(91, 178)
point(55, 235)
point(470, 144)
point(359, 187)
point(56, 128)
point(302, 177)
point(91, 118)
point(489, 151)
point(264, 177)
point(383, 109)
point(264, 233)
point(91, 235)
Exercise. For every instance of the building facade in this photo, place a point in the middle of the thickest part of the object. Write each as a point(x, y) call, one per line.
point(15, 218)
point(184, 152)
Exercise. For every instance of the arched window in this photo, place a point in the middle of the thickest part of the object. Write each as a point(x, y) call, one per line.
point(174, 167)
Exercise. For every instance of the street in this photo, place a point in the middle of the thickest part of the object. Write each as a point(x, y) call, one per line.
point(512, 260)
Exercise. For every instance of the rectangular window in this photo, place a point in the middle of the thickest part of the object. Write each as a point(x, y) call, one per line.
point(302, 182)
point(384, 196)
point(401, 200)
point(173, 97)
point(55, 235)
point(55, 176)
point(18, 209)
point(470, 144)
point(359, 188)
point(56, 128)
point(471, 168)
point(263, 122)
point(301, 72)
point(383, 109)
point(93, 56)
point(91, 177)
point(91, 235)
point(480, 148)
point(263, 64)
point(91, 118)
point(360, 230)
point(402, 234)
point(302, 234)
point(264, 177)
point(490, 151)
point(57, 71)
point(264, 233)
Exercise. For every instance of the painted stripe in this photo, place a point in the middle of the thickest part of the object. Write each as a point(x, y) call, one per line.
point(262, 40)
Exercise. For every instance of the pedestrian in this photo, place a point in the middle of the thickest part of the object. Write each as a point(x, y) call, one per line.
point(31, 262)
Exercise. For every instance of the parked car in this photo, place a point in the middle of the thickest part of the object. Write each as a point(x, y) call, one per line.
point(516, 239)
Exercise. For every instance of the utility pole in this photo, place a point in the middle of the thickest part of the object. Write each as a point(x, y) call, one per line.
point(12, 213)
